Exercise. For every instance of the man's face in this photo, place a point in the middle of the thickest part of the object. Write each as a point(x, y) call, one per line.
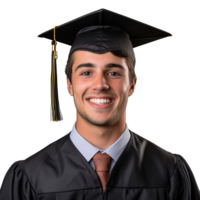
point(100, 86)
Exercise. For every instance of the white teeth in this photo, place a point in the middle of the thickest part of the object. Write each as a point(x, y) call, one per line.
point(100, 101)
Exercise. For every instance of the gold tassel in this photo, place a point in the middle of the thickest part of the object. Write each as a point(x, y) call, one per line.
point(53, 54)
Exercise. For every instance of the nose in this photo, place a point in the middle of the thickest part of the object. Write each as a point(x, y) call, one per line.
point(100, 83)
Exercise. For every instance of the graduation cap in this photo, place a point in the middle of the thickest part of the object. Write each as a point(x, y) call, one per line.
point(97, 32)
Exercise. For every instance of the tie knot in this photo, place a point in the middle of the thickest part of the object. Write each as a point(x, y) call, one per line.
point(102, 162)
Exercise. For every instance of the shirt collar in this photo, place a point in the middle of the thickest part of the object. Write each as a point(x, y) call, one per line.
point(88, 150)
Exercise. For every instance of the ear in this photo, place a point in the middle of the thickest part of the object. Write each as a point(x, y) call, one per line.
point(132, 87)
point(69, 87)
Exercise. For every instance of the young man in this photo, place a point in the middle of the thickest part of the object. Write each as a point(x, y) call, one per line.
point(100, 85)
point(101, 158)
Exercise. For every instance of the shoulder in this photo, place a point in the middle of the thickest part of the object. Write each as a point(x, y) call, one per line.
point(14, 179)
point(154, 167)
point(50, 150)
point(16, 168)
point(42, 167)
point(150, 150)
point(154, 160)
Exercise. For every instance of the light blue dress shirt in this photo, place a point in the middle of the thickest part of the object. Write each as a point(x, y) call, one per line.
point(88, 150)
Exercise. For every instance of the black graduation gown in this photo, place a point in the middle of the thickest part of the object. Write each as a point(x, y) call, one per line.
point(143, 171)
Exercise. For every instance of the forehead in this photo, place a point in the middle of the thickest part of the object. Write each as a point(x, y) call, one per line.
point(98, 60)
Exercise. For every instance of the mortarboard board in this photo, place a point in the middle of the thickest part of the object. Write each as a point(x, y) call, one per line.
point(98, 32)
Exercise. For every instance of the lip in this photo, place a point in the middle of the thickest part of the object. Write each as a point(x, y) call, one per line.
point(103, 106)
point(100, 97)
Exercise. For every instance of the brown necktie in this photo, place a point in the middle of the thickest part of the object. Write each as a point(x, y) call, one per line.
point(102, 163)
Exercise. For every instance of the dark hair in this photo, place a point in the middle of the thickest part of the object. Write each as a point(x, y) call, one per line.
point(129, 61)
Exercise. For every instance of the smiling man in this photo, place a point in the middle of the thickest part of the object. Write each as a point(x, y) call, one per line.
point(100, 87)
point(100, 159)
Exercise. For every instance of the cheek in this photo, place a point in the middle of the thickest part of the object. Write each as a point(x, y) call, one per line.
point(119, 87)
point(80, 87)
point(124, 96)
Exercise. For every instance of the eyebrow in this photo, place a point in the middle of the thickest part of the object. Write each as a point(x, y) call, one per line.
point(110, 65)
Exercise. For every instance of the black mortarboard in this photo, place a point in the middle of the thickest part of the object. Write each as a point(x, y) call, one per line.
point(98, 32)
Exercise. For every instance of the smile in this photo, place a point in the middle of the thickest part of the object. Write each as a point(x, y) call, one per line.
point(101, 106)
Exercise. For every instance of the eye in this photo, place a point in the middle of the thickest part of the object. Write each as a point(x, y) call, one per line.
point(114, 72)
point(90, 72)
point(84, 73)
